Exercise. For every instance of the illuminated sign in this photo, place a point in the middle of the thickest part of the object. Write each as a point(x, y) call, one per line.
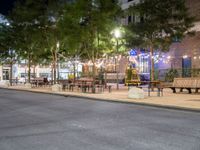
point(133, 52)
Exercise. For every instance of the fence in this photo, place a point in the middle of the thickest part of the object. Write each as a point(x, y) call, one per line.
point(169, 74)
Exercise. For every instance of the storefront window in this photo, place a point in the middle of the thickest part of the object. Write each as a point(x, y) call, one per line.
point(5, 74)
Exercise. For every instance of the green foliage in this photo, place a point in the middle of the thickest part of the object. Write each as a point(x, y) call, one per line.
point(171, 74)
point(195, 72)
point(160, 23)
point(7, 44)
point(87, 30)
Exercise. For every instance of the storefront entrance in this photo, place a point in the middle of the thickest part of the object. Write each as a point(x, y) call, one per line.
point(6, 74)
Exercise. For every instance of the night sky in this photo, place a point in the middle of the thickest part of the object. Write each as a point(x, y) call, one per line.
point(6, 6)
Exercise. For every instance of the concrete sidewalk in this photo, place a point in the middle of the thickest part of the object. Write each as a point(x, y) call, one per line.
point(182, 101)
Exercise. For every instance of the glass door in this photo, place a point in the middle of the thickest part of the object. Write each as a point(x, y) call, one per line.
point(186, 67)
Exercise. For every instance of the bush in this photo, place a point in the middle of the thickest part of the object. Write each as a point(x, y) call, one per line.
point(171, 74)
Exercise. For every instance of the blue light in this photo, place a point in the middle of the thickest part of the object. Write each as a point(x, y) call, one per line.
point(133, 52)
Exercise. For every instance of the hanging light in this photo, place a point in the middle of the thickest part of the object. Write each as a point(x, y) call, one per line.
point(195, 57)
point(168, 57)
point(185, 56)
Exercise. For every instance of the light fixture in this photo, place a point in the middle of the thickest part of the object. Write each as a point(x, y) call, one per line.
point(117, 33)
point(168, 57)
point(185, 56)
point(58, 45)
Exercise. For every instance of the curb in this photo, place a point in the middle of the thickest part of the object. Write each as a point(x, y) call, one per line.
point(111, 100)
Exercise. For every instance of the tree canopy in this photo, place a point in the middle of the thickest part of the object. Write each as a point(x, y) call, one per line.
point(160, 23)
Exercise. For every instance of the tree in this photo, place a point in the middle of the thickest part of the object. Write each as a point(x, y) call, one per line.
point(26, 18)
point(89, 28)
point(51, 34)
point(37, 31)
point(160, 23)
point(7, 51)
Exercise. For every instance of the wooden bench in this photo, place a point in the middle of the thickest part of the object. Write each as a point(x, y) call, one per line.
point(186, 83)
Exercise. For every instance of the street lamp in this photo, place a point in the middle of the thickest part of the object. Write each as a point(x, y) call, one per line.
point(117, 35)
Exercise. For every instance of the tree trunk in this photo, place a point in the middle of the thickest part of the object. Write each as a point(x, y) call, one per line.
point(74, 71)
point(11, 70)
point(54, 67)
point(93, 77)
point(52, 74)
point(152, 63)
point(105, 77)
point(29, 68)
point(34, 71)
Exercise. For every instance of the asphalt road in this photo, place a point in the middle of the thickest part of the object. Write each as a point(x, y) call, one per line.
point(30, 121)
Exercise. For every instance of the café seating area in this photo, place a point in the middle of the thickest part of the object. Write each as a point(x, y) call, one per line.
point(85, 85)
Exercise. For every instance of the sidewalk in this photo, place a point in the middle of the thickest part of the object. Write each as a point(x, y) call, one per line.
point(183, 101)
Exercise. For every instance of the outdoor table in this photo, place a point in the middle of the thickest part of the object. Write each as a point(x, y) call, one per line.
point(37, 81)
point(86, 84)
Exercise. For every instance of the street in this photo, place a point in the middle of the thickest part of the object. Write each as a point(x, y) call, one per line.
point(32, 121)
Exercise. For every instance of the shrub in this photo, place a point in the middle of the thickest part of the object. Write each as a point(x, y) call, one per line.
point(171, 74)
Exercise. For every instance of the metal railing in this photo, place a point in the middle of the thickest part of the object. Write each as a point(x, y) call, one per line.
point(169, 74)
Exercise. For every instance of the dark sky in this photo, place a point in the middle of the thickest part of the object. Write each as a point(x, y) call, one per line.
point(6, 6)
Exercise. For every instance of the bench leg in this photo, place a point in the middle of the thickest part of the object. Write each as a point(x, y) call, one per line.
point(196, 90)
point(189, 90)
point(181, 89)
point(174, 90)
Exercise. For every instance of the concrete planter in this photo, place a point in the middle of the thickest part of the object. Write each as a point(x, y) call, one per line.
point(28, 85)
point(56, 88)
point(5, 83)
point(136, 93)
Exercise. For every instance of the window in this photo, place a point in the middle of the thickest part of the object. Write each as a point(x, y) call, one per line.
point(6, 74)
point(186, 66)
point(129, 19)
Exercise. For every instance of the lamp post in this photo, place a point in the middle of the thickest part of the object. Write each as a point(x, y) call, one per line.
point(117, 35)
